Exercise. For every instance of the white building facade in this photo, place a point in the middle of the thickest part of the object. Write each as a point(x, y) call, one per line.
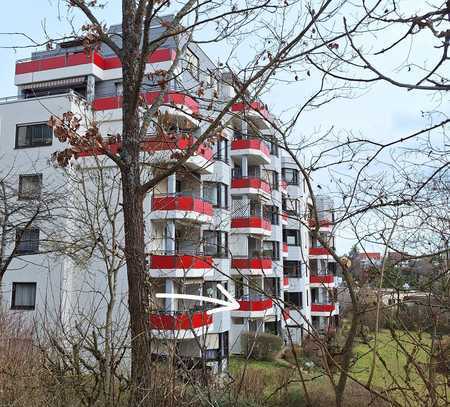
point(235, 214)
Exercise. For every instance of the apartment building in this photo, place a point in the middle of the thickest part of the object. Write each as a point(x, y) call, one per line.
point(234, 214)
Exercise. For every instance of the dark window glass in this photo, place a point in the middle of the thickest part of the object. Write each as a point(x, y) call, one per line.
point(216, 243)
point(222, 150)
point(290, 175)
point(30, 186)
point(216, 193)
point(27, 241)
point(33, 135)
point(294, 298)
point(273, 214)
point(23, 296)
point(272, 179)
point(292, 268)
point(271, 249)
point(273, 147)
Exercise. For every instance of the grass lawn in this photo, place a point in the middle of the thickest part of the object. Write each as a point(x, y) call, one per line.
point(394, 357)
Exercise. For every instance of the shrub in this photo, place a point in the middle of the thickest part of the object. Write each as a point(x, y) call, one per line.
point(260, 346)
point(289, 354)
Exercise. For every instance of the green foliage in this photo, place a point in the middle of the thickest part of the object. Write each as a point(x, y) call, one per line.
point(261, 346)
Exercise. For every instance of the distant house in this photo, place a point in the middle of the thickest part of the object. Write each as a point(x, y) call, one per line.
point(369, 259)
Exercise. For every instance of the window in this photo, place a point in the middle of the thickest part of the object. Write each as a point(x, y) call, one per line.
point(292, 237)
point(30, 186)
point(294, 298)
point(222, 150)
point(119, 88)
point(290, 175)
point(273, 145)
point(292, 268)
point(193, 63)
point(216, 243)
point(291, 206)
point(23, 296)
point(33, 135)
point(273, 214)
point(27, 241)
point(271, 249)
point(216, 193)
point(272, 179)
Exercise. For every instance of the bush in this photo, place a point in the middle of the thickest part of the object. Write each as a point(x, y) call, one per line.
point(289, 355)
point(260, 346)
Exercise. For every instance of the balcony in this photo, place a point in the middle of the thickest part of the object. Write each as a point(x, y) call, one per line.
point(179, 265)
point(286, 282)
point(284, 187)
point(171, 98)
point(250, 186)
point(251, 225)
point(77, 64)
point(325, 280)
point(320, 253)
point(163, 149)
point(255, 149)
point(324, 310)
point(255, 111)
point(325, 225)
point(254, 306)
point(285, 250)
point(246, 266)
point(179, 324)
point(181, 207)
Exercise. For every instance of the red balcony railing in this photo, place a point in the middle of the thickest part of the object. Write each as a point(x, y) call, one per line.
point(286, 314)
point(286, 281)
point(251, 182)
point(285, 247)
point(251, 222)
point(165, 320)
point(325, 279)
point(81, 58)
point(250, 144)
point(256, 106)
point(171, 98)
point(254, 264)
point(285, 216)
point(254, 303)
point(322, 307)
point(319, 251)
point(169, 142)
point(179, 261)
point(180, 202)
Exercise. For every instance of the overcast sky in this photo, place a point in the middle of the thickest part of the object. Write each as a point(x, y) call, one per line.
point(381, 112)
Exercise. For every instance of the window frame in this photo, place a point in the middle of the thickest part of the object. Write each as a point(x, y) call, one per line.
point(31, 145)
point(298, 295)
point(296, 205)
point(275, 249)
point(296, 235)
point(221, 241)
point(20, 195)
point(18, 251)
point(294, 180)
point(288, 266)
point(13, 296)
point(222, 154)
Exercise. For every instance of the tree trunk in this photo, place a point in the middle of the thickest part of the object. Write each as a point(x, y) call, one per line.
point(133, 211)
